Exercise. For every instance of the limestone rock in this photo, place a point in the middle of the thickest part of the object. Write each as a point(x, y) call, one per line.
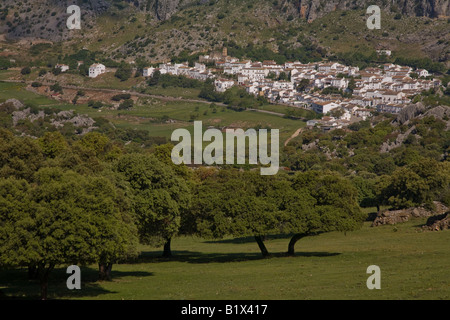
point(439, 222)
point(15, 103)
point(403, 215)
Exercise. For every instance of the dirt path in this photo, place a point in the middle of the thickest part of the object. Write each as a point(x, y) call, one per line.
point(295, 135)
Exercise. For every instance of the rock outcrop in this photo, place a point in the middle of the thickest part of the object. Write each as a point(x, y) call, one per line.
point(415, 111)
point(313, 9)
point(419, 110)
point(410, 112)
point(439, 222)
point(400, 216)
point(14, 103)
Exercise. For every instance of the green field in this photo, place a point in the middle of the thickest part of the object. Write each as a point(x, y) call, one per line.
point(413, 265)
point(145, 116)
point(18, 91)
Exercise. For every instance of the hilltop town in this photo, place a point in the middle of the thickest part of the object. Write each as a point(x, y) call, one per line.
point(349, 92)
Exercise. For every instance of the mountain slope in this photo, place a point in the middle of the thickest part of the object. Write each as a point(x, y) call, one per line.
point(157, 30)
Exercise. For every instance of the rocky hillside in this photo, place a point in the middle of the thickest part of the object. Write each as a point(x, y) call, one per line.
point(311, 9)
point(160, 29)
point(30, 18)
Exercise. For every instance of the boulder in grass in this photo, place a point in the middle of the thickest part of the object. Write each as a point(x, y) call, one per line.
point(439, 222)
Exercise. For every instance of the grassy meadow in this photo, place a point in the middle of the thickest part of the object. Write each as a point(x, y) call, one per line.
point(330, 266)
point(18, 91)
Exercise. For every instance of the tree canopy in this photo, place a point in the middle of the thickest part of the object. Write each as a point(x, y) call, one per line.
point(64, 218)
point(159, 196)
point(229, 203)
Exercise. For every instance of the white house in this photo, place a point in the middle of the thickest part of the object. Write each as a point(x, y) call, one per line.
point(172, 69)
point(323, 106)
point(363, 113)
point(96, 70)
point(148, 72)
point(63, 67)
point(223, 85)
point(339, 83)
point(422, 73)
point(242, 79)
point(255, 74)
point(391, 96)
point(390, 108)
point(385, 52)
point(283, 85)
point(200, 67)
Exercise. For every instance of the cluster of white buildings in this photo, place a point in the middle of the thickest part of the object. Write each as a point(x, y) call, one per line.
point(198, 71)
point(386, 89)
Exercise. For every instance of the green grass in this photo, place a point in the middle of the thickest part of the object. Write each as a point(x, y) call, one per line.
point(186, 93)
point(6, 74)
point(330, 266)
point(18, 91)
point(144, 116)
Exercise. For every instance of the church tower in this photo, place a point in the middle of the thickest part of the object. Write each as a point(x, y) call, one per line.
point(225, 52)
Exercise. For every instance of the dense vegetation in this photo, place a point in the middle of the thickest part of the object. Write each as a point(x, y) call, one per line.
point(411, 173)
point(308, 52)
point(136, 194)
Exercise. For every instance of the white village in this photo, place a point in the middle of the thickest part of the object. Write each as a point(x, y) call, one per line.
point(357, 93)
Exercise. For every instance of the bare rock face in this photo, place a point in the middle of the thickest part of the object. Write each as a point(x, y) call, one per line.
point(31, 12)
point(413, 111)
point(440, 112)
point(20, 115)
point(410, 112)
point(400, 216)
point(388, 146)
point(165, 8)
point(312, 9)
point(30, 22)
point(79, 121)
point(16, 104)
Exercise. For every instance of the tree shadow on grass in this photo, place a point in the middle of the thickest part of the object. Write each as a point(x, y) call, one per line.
point(243, 240)
point(196, 257)
point(316, 254)
point(199, 257)
point(15, 285)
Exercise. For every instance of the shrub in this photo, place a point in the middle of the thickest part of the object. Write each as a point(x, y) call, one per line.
point(95, 104)
point(25, 71)
point(56, 88)
point(123, 72)
point(126, 104)
point(123, 96)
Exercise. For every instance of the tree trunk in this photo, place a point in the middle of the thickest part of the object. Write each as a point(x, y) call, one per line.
point(33, 272)
point(167, 250)
point(294, 239)
point(44, 287)
point(104, 271)
point(262, 246)
point(378, 208)
point(43, 277)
